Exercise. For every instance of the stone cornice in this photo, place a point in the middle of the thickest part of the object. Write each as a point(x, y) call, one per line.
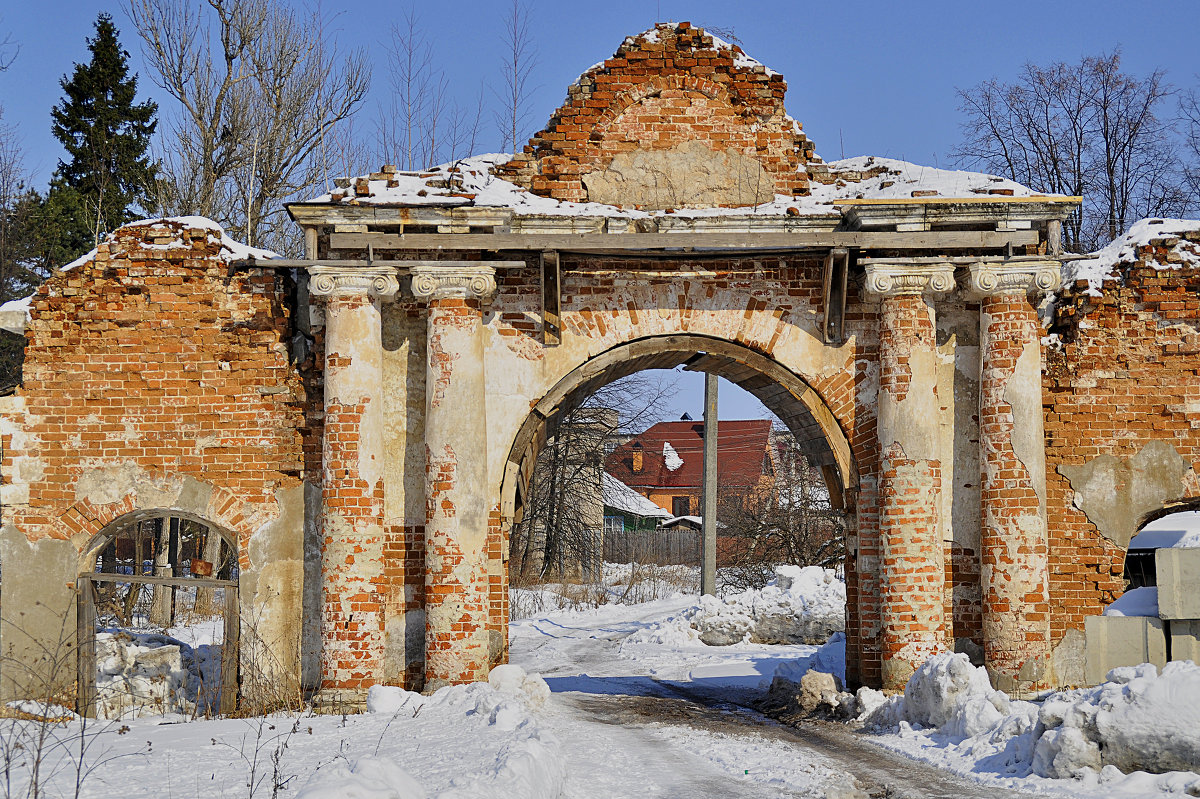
point(892, 280)
point(446, 282)
point(1027, 277)
point(335, 281)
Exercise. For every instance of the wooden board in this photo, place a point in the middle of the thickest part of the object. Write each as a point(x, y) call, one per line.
point(686, 242)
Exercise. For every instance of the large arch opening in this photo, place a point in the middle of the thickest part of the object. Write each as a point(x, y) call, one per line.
point(158, 617)
point(802, 416)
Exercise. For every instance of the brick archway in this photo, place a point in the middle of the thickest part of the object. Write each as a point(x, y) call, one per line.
point(801, 408)
point(223, 511)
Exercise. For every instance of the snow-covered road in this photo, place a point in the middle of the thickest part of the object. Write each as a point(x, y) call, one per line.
point(644, 719)
point(616, 720)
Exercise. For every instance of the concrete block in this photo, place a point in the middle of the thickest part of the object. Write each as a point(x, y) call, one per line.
point(1114, 641)
point(1178, 574)
point(1185, 639)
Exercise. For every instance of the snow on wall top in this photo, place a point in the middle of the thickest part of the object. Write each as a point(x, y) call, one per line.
point(1181, 236)
point(620, 496)
point(472, 182)
point(231, 250)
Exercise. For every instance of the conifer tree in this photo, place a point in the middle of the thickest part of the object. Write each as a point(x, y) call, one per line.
point(106, 135)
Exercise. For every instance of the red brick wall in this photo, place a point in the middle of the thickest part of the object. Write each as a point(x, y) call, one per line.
point(683, 88)
point(155, 355)
point(1127, 373)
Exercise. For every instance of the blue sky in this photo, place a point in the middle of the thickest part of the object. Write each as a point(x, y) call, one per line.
point(875, 78)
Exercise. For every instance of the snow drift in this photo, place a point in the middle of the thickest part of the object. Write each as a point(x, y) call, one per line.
point(802, 605)
point(528, 764)
point(152, 674)
point(1137, 720)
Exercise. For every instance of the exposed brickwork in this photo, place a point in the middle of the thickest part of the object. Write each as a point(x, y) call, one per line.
point(354, 545)
point(1127, 372)
point(661, 89)
point(153, 356)
point(964, 603)
point(456, 576)
point(912, 601)
point(1016, 602)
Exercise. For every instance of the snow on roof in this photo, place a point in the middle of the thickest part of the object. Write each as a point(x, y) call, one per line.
point(671, 458)
point(869, 177)
point(1135, 602)
point(231, 249)
point(620, 496)
point(1101, 265)
point(472, 182)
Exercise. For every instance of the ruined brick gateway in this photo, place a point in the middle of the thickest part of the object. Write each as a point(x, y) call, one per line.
point(363, 423)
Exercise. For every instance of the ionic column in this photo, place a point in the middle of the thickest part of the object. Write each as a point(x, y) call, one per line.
point(912, 613)
point(352, 474)
point(1015, 571)
point(456, 526)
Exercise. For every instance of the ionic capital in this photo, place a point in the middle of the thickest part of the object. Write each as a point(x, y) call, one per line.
point(448, 282)
point(1023, 277)
point(893, 280)
point(337, 281)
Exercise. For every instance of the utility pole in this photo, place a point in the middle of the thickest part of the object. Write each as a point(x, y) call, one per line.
point(708, 496)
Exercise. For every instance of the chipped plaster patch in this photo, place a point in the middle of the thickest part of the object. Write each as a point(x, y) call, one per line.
point(1023, 393)
point(1115, 494)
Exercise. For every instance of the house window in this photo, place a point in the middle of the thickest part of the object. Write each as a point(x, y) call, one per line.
point(681, 506)
point(614, 524)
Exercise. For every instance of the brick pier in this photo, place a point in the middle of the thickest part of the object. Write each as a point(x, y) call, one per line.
point(1013, 536)
point(352, 475)
point(912, 608)
point(456, 527)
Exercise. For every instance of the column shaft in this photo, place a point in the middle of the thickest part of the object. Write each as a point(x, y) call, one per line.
point(456, 578)
point(1015, 574)
point(912, 589)
point(352, 479)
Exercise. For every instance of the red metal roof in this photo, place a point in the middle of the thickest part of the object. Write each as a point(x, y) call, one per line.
point(741, 449)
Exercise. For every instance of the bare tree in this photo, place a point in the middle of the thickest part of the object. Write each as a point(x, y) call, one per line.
point(410, 70)
point(8, 52)
point(792, 522)
point(261, 89)
point(1190, 110)
point(1084, 129)
point(519, 60)
point(421, 124)
point(559, 533)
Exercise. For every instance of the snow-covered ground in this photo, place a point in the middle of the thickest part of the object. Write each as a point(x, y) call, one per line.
point(1089, 742)
point(592, 724)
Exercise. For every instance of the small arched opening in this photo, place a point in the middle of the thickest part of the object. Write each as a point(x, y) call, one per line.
point(1177, 525)
point(158, 618)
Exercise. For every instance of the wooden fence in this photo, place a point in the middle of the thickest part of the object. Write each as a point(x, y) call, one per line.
point(659, 547)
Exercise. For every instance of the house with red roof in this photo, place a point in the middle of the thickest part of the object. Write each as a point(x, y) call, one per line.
point(665, 463)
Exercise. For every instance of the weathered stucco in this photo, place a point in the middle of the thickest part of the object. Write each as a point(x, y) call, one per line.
point(1115, 493)
point(688, 175)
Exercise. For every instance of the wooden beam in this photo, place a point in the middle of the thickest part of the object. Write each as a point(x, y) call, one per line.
point(837, 267)
point(85, 648)
point(230, 645)
point(686, 242)
point(199, 582)
point(988, 199)
point(551, 299)
point(401, 265)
